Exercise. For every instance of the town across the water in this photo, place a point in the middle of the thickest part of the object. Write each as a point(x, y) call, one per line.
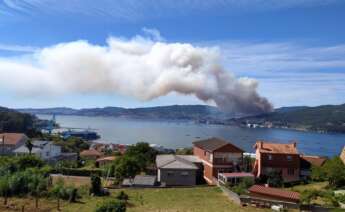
point(257, 179)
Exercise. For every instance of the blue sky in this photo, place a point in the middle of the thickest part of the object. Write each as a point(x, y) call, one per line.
point(294, 48)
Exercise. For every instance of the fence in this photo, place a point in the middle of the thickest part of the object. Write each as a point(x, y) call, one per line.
point(232, 195)
point(265, 203)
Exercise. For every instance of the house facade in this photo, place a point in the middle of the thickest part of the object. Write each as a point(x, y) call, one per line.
point(275, 157)
point(217, 156)
point(11, 141)
point(178, 170)
point(45, 150)
point(342, 155)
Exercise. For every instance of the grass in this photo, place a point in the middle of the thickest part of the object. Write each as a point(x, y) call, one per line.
point(315, 186)
point(198, 199)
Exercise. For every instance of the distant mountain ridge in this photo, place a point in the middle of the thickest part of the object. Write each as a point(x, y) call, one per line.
point(324, 118)
point(179, 112)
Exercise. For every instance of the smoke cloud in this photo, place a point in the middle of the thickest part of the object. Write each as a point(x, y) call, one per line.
point(140, 68)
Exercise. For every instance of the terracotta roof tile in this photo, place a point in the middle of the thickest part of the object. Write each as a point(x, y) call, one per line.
point(278, 148)
point(314, 160)
point(110, 158)
point(12, 138)
point(90, 152)
point(274, 192)
point(213, 144)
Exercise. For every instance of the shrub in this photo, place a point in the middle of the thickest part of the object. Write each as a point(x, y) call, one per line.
point(111, 206)
point(122, 196)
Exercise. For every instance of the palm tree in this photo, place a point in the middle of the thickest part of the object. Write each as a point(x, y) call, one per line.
point(29, 145)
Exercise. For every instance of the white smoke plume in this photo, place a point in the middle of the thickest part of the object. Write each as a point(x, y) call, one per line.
point(140, 67)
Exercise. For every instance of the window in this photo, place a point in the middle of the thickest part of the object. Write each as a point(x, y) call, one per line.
point(291, 171)
point(270, 157)
point(170, 173)
point(184, 173)
point(289, 158)
point(204, 153)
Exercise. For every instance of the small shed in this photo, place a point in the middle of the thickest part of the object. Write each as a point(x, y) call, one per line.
point(145, 181)
point(234, 177)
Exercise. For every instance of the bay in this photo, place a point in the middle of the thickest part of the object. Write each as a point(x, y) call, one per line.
point(175, 134)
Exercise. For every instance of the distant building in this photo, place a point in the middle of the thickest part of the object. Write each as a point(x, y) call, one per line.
point(91, 154)
point(45, 150)
point(281, 158)
point(105, 160)
point(307, 162)
point(177, 170)
point(11, 141)
point(342, 155)
point(218, 156)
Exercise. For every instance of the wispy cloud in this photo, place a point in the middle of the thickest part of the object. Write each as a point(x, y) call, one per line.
point(138, 9)
point(17, 48)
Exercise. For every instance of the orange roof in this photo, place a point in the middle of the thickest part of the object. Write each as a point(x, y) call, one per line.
point(12, 138)
point(314, 160)
point(90, 152)
point(265, 147)
point(274, 192)
point(110, 158)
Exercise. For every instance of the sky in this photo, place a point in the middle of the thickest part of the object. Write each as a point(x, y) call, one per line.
point(294, 49)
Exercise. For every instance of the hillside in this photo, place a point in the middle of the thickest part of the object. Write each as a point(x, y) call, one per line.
point(13, 121)
point(327, 118)
point(173, 112)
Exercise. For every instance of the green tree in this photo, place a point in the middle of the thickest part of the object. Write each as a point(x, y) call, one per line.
point(142, 153)
point(96, 185)
point(275, 179)
point(126, 166)
point(37, 186)
point(318, 173)
point(335, 172)
point(29, 145)
point(5, 188)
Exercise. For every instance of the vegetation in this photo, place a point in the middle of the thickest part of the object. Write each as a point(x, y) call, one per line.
point(332, 171)
point(13, 121)
point(136, 159)
point(111, 206)
point(241, 187)
point(329, 118)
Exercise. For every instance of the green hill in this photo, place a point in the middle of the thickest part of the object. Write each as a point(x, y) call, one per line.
point(13, 121)
point(329, 118)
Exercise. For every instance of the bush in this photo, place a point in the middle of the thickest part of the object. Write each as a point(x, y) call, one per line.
point(122, 196)
point(78, 172)
point(111, 206)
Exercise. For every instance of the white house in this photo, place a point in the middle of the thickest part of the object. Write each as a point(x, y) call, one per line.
point(46, 150)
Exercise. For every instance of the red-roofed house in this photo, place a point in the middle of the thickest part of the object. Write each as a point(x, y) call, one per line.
point(263, 192)
point(105, 160)
point(308, 161)
point(282, 158)
point(11, 141)
point(91, 154)
point(217, 156)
